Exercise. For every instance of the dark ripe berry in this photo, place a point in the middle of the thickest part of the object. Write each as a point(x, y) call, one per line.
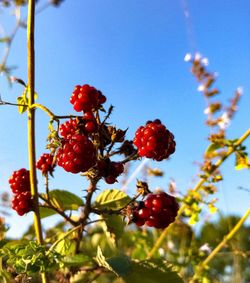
point(85, 98)
point(89, 116)
point(90, 127)
point(158, 210)
point(151, 221)
point(110, 170)
point(45, 163)
point(149, 199)
point(117, 168)
point(157, 202)
point(22, 203)
point(110, 179)
point(140, 204)
point(140, 222)
point(144, 213)
point(20, 181)
point(154, 141)
point(78, 154)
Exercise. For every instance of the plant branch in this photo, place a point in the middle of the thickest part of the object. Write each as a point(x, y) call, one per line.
point(86, 211)
point(59, 211)
point(198, 186)
point(205, 263)
point(31, 123)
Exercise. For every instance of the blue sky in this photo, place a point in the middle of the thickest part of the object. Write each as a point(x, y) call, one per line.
point(133, 51)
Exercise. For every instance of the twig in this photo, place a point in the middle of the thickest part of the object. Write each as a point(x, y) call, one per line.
point(59, 211)
point(197, 188)
point(205, 263)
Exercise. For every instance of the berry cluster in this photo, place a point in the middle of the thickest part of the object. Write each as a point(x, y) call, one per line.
point(85, 98)
point(154, 141)
point(85, 126)
point(20, 186)
point(45, 163)
point(110, 170)
point(158, 210)
point(77, 154)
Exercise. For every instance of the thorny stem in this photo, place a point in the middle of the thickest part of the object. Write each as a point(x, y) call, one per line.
point(198, 186)
point(86, 211)
point(205, 263)
point(31, 123)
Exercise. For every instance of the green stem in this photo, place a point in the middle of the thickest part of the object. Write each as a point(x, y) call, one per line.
point(44, 108)
point(198, 186)
point(205, 263)
point(31, 123)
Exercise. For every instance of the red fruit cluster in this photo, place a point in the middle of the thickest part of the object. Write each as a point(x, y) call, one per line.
point(45, 163)
point(22, 203)
point(77, 154)
point(20, 181)
point(85, 98)
point(20, 186)
point(78, 126)
point(158, 210)
point(154, 141)
point(110, 170)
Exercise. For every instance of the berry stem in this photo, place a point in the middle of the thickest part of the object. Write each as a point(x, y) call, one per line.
point(198, 186)
point(31, 123)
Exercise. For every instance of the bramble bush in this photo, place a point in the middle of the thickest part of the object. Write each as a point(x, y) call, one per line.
point(115, 237)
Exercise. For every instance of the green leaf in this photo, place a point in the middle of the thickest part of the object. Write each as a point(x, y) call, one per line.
point(64, 200)
point(119, 265)
point(45, 212)
point(146, 271)
point(212, 147)
point(22, 100)
point(241, 161)
point(65, 246)
point(76, 260)
point(113, 226)
point(112, 199)
point(151, 271)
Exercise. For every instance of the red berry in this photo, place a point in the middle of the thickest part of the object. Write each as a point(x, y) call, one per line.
point(110, 179)
point(90, 127)
point(157, 202)
point(158, 210)
point(154, 141)
point(85, 98)
point(20, 181)
point(78, 154)
point(110, 170)
point(89, 116)
point(149, 199)
point(144, 213)
point(45, 163)
point(151, 221)
point(22, 203)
